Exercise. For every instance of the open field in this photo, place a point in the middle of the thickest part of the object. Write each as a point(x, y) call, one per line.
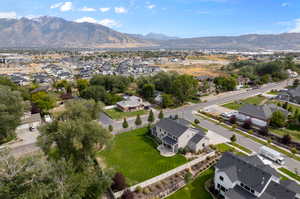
point(117, 114)
point(196, 189)
point(257, 100)
point(135, 155)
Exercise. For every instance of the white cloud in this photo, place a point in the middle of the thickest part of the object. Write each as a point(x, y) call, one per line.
point(86, 9)
point(285, 4)
point(105, 22)
point(66, 6)
point(109, 23)
point(8, 15)
point(120, 10)
point(57, 5)
point(151, 6)
point(104, 9)
point(296, 26)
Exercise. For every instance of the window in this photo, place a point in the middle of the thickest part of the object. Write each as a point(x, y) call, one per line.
point(251, 190)
point(247, 188)
point(221, 178)
point(242, 185)
point(219, 186)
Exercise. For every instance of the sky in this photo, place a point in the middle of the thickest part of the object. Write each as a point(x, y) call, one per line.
point(181, 18)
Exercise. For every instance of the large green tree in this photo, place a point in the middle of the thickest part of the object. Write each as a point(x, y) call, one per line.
point(278, 119)
point(11, 111)
point(44, 101)
point(185, 87)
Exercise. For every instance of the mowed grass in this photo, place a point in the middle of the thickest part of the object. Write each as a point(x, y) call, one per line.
point(118, 114)
point(295, 134)
point(196, 189)
point(257, 100)
point(289, 173)
point(135, 155)
point(246, 150)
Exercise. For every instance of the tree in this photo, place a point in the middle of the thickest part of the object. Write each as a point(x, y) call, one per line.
point(44, 101)
point(161, 115)
point(225, 83)
point(185, 87)
point(74, 135)
point(188, 177)
point(196, 121)
point(138, 120)
point(125, 124)
point(119, 182)
point(82, 84)
point(247, 124)
point(167, 100)
point(96, 93)
point(294, 151)
point(232, 119)
point(285, 105)
point(151, 117)
point(296, 83)
point(264, 131)
point(147, 91)
point(278, 119)
point(233, 138)
point(110, 128)
point(286, 139)
point(11, 111)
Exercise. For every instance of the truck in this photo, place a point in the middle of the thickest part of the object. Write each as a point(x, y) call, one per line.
point(271, 154)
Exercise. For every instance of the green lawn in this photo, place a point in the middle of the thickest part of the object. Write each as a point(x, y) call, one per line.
point(195, 190)
point(135, 155)
point(295, 134)
point(117, 114)
point(226, 148)
point(252, 100)
point(289, 173)
point(273, 92)
point(246, 150)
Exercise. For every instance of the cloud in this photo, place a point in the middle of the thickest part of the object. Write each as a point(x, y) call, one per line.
point(285, 4)
point(120, 10)
point(151, 6)
point(8, 15)
point(66, 6)
point(63, 6)
point(296, 26)
point(86, 9)
point(105, 22)
point(104, 9)
point(109, 23)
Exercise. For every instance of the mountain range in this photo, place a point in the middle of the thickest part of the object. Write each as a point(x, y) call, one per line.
point(57, 32)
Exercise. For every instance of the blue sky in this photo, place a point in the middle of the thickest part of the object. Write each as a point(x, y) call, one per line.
point(183, 18)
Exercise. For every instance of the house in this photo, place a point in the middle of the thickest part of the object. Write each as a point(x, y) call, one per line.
point(132, 103)
point(292, 95)
point(247, 177)
point(259, 115)
point(178, 134)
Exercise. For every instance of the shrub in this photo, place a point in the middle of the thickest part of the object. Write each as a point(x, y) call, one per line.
point(286, 139)
point(110, 128)
point(247, 124)
point(139, 189)
point(233, 138)
point(146, 190)
point(232, 119)
point(188, 177)
point(119, 182)
point(250, 132)
point(127, 195)
point(196, 121)
point(125, 124)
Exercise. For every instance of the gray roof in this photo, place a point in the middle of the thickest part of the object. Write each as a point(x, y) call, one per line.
point(239, 193)
point(169, 140)
point(197, 138)
point(295, 92)
point(249, 170)
point(277, 191)
point(172, 127)
point(263, 112)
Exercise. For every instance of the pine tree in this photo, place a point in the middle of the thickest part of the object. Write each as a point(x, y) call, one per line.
point(125, 124)
point(161, 115)
point(151, 117)
point(138, 120)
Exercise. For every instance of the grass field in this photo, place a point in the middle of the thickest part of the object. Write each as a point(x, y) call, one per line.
point(117, 114)
point(252, 100)
point(196, 189)
point(289, 173)
point(246, 150)
point(135, 155)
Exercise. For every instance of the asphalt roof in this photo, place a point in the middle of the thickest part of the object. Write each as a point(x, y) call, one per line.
point(172, 127)
point(248, 170)
point(277, 191)
point(263, 112)
point(239, 193)
point(197, 138)
point(295, 92)
point(169, 140)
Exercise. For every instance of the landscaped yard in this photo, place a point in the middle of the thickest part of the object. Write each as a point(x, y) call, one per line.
point(295, 134)
point(117, 114)
point(257, 100)
point(135, 155)
point(226, 148)
point(289, 173)
point(246, 150)
point(195, 190)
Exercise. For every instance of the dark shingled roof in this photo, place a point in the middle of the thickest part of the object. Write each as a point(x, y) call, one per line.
point(172, 127)
point(169, 140)
point(197, 138)
point(239, 193)
point(277, 191)
point(248, 170)
point(263, 112)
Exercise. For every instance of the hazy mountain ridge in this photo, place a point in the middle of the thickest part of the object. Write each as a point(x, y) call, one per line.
point(57, 32)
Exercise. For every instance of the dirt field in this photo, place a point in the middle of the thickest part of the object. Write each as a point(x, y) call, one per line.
point(10, 69)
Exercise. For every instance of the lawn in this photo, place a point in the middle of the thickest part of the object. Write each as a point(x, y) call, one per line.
point(273, 92)
point(117, 114)
point(252, 100)
point(289, 173)
point(295, 133)
point(226, 148)
point(196, 189)
point(135, 155)
point(246, 150)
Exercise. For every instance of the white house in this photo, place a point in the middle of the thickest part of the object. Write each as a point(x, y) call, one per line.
point(247, 177)
point(177, 134)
